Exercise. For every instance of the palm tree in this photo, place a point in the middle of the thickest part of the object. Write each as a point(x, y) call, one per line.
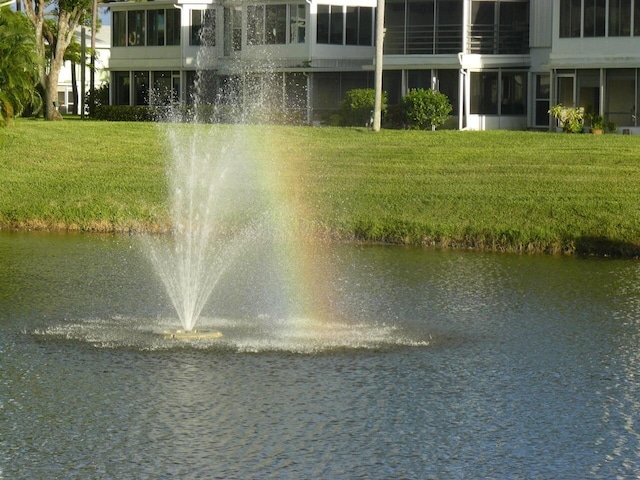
point(19, 65)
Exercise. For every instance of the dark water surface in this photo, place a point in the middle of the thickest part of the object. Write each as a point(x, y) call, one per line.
point(424, 364)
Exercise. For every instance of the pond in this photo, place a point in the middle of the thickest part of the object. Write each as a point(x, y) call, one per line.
point(418, 364)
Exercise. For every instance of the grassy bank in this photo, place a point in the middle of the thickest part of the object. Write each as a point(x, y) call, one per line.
point(513, 191)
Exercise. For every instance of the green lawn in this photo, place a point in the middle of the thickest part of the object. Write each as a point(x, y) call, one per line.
point(498, 190)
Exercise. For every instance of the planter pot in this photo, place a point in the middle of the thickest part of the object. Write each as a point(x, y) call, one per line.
point(597, 131)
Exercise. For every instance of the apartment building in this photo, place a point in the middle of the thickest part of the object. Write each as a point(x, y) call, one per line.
point(502, 63)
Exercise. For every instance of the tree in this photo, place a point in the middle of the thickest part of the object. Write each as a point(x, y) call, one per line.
point(425, 109)
point(18, 65)
point(66, 15)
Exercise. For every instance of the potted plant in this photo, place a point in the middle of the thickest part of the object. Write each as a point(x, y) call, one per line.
point(599, 125)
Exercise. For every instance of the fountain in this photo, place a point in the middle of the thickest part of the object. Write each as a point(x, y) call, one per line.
point(215, 207)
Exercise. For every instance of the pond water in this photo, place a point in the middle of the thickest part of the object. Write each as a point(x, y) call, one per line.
point(419, 364)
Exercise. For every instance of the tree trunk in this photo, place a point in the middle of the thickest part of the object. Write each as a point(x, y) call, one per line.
point(51, 92)
point(74, 88)
point(67, 21)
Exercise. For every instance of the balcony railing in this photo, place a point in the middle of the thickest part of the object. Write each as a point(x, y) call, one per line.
point(498, 39)
point(423, 40)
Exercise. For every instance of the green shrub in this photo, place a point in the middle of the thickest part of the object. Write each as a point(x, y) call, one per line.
point(356, 108)
point(424, 109)
point(100, 97)
point(124, 113)
point(571, 119)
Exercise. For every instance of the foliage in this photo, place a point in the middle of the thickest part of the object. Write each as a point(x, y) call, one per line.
point(18, 66)
point(598, 122)
point(356, 108)
point(54, 23)
point(424, 109)
point(124, 113)
point(97, 98)
point(571, 119)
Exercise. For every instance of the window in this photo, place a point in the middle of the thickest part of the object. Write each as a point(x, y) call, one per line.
point(297, 23)
point(499, 93)
point(156, 21)
point(255, 24)
point(121, 93)
point(513, 99)
point(203, 28)
point(483, 32)
point(636, 17)
point(359, 26)
point(542, 102)
point(232, 30)
point(620, 101)
point(166, 87)
point(119, 29)
point(484, 93)
point(136, 28)
point(500, 27)
point(619, 18)
point(448, 26)
point(162, 27)
point(141, 88)
point(268, 24)
point(337, 26)
point(570, 18)
point(275, 24)
point(513, 28)
point(420, 26)
point(594, 18)
point(173, 27)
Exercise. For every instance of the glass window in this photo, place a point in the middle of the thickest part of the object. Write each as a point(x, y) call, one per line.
point(619, 18)
point(141, 88)
point(394, 16)
point(255, 24)
point(203, 28)
point(365, 30)
point(322, 30)
point(513, 100)
point(448, 26)
point(620, 101)
point(636, 17)
point(119, 29)
point(336, 25)
point(359, 26)
point(483, 31)
point(297, 23)
point(275, 24)
point(542, 102)
point(484, 93)
point(136, 28)
point(156, 23)
point(122, 90)
point(162, 88)
point(570, 18)
point(232, 30)
point(420, 27)
point(513, 28)
point(448, 84)
point(173, 27)
point(594, 18)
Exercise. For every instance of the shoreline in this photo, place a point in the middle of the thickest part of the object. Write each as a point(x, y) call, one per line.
point(582, 247)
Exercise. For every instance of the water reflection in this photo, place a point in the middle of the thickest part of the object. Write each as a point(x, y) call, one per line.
point(432, 365)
